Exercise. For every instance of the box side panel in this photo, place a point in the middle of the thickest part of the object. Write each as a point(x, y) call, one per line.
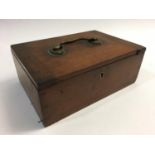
point(28, 86)
point(69, 96)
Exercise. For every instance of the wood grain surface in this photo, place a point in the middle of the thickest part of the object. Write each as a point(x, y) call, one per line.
point(61, 85)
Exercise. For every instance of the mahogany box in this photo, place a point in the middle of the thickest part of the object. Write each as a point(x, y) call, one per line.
point(64, 74)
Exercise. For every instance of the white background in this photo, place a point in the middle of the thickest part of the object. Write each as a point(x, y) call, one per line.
point(129, 111)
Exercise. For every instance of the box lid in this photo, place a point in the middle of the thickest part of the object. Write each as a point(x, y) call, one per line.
point(51, 60)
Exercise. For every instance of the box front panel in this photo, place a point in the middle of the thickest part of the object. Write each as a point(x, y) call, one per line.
point(69, 96)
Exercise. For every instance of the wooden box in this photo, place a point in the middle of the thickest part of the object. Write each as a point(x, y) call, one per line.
point(65, 74)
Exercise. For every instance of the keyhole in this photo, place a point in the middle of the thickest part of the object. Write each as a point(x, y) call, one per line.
point(101, 75)
point(138, 51)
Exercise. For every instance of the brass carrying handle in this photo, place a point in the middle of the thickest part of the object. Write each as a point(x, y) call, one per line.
point(59, 50)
